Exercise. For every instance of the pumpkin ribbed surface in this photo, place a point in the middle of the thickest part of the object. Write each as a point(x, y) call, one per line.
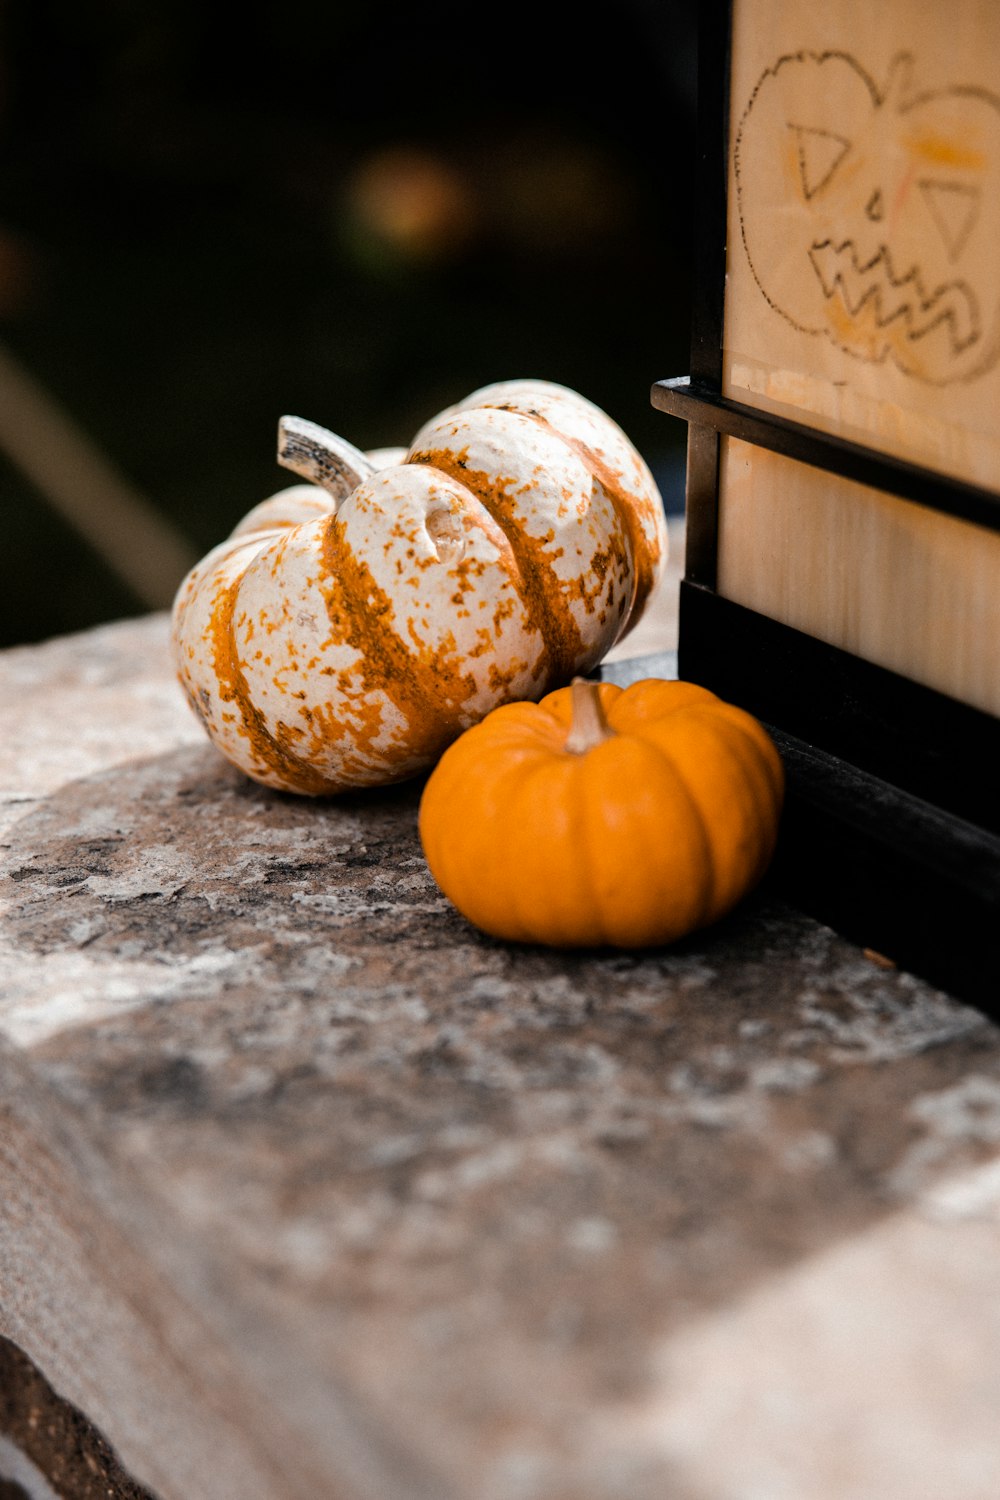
point(338, 642)
point(659, 828)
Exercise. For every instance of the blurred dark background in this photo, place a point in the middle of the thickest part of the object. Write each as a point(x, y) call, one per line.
point(354, 214)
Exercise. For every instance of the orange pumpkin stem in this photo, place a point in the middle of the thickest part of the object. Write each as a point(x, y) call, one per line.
point(588, 726)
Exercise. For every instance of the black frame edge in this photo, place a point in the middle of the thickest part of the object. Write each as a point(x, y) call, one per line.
point(708, 412)
point(894, 728)
point(891, 873)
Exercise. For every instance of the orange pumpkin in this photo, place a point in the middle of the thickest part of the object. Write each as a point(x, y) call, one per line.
point(604, 816)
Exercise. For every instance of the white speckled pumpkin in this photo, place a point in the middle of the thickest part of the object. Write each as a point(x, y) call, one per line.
point(350, 629)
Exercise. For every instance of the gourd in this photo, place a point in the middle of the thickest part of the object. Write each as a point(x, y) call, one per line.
point(351, 628)
point(870, 213)
point(603, 816)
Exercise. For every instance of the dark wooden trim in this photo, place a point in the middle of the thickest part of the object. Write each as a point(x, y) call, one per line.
point(892, 872)
point(919, 740)
point(701, 542)
point(711, 190)
point(704, 408)
point(709, 282)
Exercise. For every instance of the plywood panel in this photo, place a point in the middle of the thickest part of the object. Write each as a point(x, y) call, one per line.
point(863, 297)
point(901, 586)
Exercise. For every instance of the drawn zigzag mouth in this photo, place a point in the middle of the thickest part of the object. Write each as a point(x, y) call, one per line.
point(895, 298)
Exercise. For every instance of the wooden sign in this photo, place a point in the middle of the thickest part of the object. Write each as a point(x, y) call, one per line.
point(863, 297)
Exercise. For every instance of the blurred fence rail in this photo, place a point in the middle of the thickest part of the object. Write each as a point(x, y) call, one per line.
point(70, 472)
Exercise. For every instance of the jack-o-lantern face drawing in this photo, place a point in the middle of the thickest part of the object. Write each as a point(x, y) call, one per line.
point(872, 216)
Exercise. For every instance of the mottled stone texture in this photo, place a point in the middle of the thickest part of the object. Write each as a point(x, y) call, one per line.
point(378, 1206)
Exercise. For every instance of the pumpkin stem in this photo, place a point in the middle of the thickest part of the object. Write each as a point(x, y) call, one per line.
point(314, 453)
point(588, 726)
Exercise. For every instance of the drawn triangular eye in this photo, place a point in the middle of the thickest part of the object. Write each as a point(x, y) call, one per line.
point(954, 207)
point(820, 154)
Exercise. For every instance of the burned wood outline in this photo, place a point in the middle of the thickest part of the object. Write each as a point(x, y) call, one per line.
point(886, 213)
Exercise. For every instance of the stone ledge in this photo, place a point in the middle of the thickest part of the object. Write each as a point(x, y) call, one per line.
point(312, 1190)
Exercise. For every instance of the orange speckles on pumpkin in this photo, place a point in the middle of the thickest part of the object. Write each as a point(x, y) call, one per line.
point(589, 587)
point(484, 642)
point(425, 687)
point(635, 512)
point(539, 590)
point(291, 731)
point(273, 756)
point(502, 611)
point(326, 729)
point(500, 678)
